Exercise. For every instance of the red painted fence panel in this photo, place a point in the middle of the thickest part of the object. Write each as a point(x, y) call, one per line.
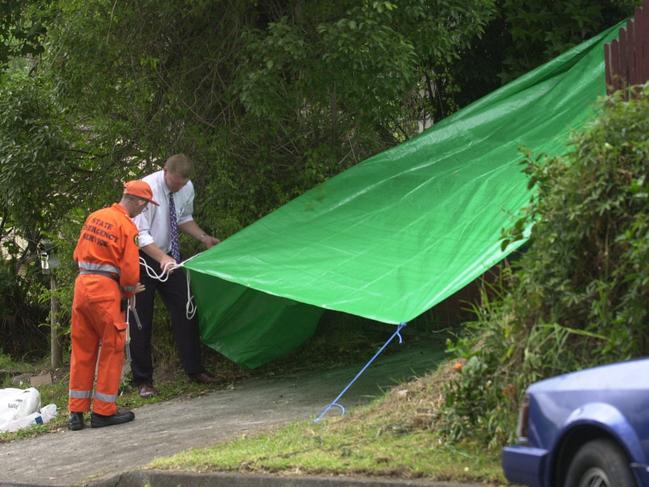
point(627, 58)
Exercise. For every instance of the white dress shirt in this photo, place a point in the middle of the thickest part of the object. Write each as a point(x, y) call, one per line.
point(153, 222)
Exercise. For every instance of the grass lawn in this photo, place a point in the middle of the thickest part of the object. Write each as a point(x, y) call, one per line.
point(393, 437)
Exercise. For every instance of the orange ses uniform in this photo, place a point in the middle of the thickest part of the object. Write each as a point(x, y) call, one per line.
point(107, 255)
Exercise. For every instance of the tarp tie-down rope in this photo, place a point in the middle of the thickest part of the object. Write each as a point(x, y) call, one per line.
point(131, 307)
point(334, 403)
point(128, 329)
point(190, 306)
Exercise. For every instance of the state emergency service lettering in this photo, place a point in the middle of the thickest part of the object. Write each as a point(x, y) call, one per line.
point(98, 232)
point(107, 242)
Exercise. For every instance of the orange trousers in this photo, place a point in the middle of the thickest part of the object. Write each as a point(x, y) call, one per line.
point(96, 319)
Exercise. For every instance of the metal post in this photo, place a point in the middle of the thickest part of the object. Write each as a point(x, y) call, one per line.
point(55, 344)
point(49, 262)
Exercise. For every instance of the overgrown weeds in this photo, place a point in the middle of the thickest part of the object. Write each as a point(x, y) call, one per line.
point(578, 295)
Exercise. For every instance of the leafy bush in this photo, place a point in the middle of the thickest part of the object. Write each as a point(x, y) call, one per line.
point(577, 296)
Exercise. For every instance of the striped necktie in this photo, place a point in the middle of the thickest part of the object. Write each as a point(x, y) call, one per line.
point(173, 229)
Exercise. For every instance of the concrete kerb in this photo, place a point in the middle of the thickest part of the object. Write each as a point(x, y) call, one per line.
point(147, 478)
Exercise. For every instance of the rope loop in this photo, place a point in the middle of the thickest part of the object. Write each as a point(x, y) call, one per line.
point(190, 306)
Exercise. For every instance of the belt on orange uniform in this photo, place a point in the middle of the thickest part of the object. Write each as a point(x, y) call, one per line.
point(111, 275)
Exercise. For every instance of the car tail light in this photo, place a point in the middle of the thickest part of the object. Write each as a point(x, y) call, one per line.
point(523, 420)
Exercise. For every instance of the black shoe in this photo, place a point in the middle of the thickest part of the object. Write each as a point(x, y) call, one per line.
point(75, 422)
point(121, 416)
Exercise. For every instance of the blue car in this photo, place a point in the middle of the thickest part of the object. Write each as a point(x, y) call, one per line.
point(584, 429)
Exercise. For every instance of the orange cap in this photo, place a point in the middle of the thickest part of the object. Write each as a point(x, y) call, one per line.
point(141, 189)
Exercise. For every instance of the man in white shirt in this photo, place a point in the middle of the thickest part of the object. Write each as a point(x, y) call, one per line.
point(159, 228)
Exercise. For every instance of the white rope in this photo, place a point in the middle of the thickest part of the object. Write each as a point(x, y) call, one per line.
point(128, 332)
point(126, 366)
point(165, 272)
point(190, 307)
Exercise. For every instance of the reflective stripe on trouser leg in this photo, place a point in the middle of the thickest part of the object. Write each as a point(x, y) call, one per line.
point(105, 397)
point(79, 401)
point(80, 394)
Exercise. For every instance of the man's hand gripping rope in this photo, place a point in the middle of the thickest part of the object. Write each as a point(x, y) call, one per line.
point(166, 269)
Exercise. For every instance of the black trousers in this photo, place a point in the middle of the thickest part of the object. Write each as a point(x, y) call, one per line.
point(174, 295)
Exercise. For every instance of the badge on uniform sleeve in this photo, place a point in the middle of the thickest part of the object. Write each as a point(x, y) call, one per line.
point(136, 239)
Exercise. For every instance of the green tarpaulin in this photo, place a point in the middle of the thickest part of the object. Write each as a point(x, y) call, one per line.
point(401, 231)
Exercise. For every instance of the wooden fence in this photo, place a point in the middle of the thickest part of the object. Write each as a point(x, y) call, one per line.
point(627, 58)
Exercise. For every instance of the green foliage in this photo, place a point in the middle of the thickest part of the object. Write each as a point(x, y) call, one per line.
point(269, 98)
point(20, 312)
point(364, 63)
point(40, 180)
point(524, 35)
point(22, 27)
point(578, 295)
point(35, 177)
point(543, 30)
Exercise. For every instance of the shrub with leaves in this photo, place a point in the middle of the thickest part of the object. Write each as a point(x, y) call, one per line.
point(578, 295)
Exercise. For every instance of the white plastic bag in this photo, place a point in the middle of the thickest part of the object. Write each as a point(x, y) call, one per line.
point(39, 417)
point(17, 403)
point(48, 412)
